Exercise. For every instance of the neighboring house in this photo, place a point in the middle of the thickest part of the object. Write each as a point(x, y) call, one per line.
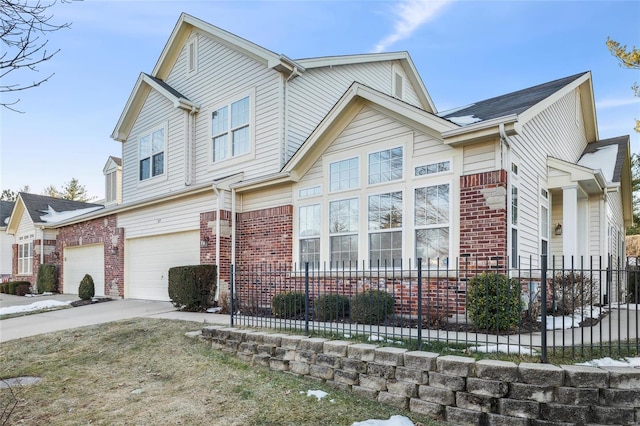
point(32, 224)
point(6, 240)
point(232, 154)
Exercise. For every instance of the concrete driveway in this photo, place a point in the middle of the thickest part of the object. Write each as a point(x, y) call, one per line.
point(98, 313)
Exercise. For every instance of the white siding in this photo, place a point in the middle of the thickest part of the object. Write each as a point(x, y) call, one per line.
point(176, 216)
point(596, 235)
point(480, 157)
point(557, 131)
point(6, 252)
point(25, 227)
point(266, 198)
point(311, 96)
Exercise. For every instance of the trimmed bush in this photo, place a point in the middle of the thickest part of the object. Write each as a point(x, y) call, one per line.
point(493, 302)
point(288, 304)
point(371, 307)
point(47, 280)
point(331, 307)
point(22, 289)
point(574, 290)
point(3, 288)
point(87, 290)
point(192, 287)
point(10, 287)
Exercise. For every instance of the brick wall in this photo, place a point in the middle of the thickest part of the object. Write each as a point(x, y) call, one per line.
point(49, 258)
point(265, 236)
point(105, 231)
point(208, 243)
point(483, 217)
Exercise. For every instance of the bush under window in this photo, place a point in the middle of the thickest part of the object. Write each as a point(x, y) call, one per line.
point(371, 307)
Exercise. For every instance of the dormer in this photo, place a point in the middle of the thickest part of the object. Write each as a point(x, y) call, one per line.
point(112, 181)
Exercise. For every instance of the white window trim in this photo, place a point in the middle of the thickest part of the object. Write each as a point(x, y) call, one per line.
point(192, 55)
point(544, 202)
point(165, 173)
point(431, 175)
point(397, 71)
point(238, 159)
point(514, 182)
point(306, 188)
point(412, 237)
point(25, 240)
point(402, 229)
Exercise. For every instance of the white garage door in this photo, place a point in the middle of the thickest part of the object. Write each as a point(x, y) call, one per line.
point(82, 260)
point(148, 260)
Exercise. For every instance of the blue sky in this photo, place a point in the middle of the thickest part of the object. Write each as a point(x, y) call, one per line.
point(465, 51)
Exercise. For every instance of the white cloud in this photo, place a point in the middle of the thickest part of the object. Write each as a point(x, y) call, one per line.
point(411, 15)
point(614, 103)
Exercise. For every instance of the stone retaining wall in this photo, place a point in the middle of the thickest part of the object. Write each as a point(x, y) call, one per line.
point(457, 389)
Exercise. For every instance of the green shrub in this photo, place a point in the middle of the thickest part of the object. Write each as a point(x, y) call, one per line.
point(371, 307)
point(574, 290)
point(11, 287)
point(493, 302)
point(3, 288)
point(22, 289)
point(47, 280)
point(330, 307)
point(87, 290)
point(288, 304)
point(192, 288)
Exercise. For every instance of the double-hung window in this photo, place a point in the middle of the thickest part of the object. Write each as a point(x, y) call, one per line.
point(151, 154)
point(385, 228)
point(231, 130)
point(343, 231)
point(431, 221)
point(25, 258)
point(513, 220)
point(309, 234)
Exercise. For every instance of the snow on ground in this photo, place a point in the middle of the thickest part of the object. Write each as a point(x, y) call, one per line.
point(510, 349)
point(393, 421)
point(608, 362)
point(317, 393)
point(42, 304)
point(574, 320)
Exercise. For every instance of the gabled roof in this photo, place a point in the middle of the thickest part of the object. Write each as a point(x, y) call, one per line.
point(140, 91)
point(402, 57)
point(609, 155)
point(345, 110)
point(6, 207)
point(44, 210)
point(504, 105)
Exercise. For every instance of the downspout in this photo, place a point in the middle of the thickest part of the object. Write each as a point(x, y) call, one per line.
point(189, 157)
point(504, 140)
point(285, 136)
point(218, 210)
point(233, 233)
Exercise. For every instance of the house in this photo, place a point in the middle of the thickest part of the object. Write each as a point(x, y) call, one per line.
point(31, 226)
point(6, 240)
point(233, 154)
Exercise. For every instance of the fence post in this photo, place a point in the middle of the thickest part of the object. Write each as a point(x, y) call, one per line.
point(419, 303)
point(231, 295)
point(543, 306)
point(306, 298)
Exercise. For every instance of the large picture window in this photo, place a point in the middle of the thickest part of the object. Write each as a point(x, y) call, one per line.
point(344, 174)
point(230, 129)
point(25, 258)
point(151, 154)
point(385, 166)
point(431, 220)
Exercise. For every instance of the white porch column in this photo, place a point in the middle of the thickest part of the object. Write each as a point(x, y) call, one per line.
point(569, 222)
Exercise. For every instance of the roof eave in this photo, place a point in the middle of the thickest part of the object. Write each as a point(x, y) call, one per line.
point(482, 130)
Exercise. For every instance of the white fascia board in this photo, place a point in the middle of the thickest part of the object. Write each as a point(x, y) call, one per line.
point(416, 81)
point(121, 131)
point(329, 61)
point(178, 102)
point(262, 182)
point(573, 173)
point(481, 130)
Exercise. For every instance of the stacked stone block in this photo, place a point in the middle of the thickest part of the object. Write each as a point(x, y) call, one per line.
point(457, 389)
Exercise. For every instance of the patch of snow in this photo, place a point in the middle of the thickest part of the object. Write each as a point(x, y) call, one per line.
point(609, 362)
point(604, 159)
point(214, 310)
point(573, 321)
point(52, 216)
point(464, 120)
point(317, 393)
point(393, 421)
point(6, 220)
point(376, 338)
point(452, 110)
point(511, 349)
point(44, 304)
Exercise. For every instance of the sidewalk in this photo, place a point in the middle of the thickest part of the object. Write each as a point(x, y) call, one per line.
point(98, 313)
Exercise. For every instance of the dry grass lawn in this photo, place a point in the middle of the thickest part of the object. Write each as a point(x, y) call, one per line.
point(146, 372)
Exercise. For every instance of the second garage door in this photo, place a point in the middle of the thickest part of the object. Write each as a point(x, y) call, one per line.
point(82, 260)
point(148, 260)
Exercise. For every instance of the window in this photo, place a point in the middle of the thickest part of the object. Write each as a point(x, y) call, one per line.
point(513, 222)
point(25, 258)
point(230, 130)
point(544, 221)
point(111, 190)
point(397, 83)
point(311, 191)
point(192, 56)
point(430, 169)
point(385, 166)
point(309, 233)
point(431, 220)
point(151, 154)
point(343, 231)
point(385, 228)
point(344, 174)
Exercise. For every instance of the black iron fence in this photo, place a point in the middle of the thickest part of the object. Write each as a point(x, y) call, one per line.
point(586, 306)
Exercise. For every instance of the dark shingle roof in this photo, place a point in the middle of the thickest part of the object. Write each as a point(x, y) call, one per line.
point(6, 207)
point(511, 103)
point(170, 89)
point(116, 160)
point(38, 205)
point(623, 146)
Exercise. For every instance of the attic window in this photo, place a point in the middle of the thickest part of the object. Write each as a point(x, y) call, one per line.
point(111, 186)
point(192, 56)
